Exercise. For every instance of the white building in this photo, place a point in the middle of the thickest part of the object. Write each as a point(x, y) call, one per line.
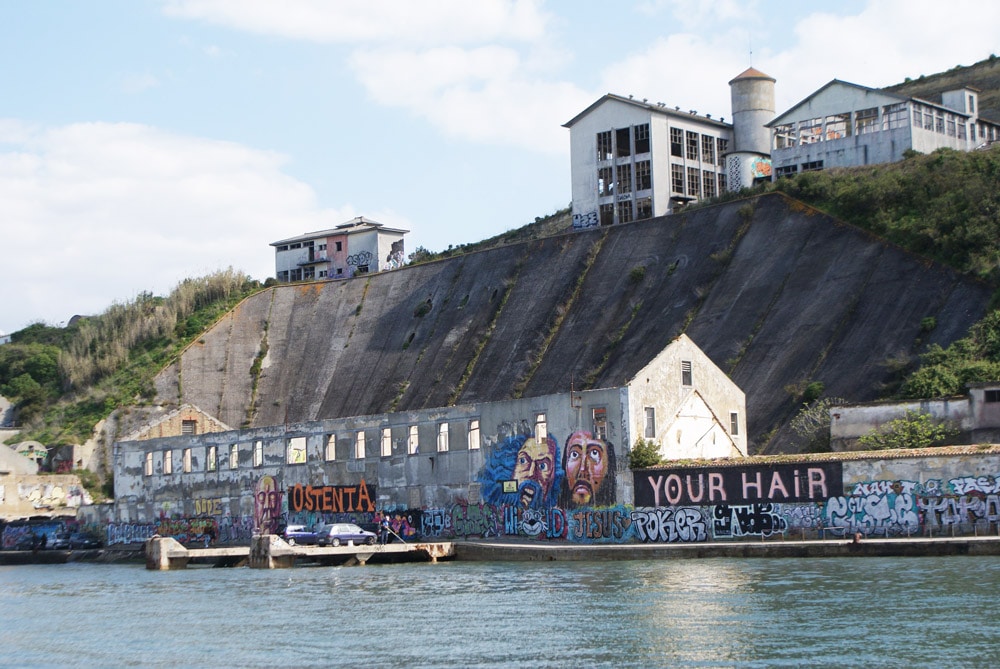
point(633, 159)
point(358, 246)
point(846, 125)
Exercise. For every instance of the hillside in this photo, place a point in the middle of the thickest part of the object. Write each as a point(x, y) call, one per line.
point(776, 293)
point(984, 75)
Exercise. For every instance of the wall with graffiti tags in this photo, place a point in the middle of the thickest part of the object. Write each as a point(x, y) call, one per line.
point(27, 495)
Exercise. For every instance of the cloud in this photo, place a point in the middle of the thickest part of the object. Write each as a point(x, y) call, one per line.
point(363, 21)
point(98, 212)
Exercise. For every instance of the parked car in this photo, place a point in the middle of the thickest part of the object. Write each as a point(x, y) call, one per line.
point(82, 540)
point(60, 541)
point(298, 534)
point(338, 534)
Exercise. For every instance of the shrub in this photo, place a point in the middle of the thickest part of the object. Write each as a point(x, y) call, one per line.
point(913, 430)
point(645, 453)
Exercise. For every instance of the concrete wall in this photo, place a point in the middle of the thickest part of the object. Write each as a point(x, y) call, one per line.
point(22, 496)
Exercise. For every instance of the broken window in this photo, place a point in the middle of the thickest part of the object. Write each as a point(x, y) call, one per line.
point(643, 208)
point(541, 428)
point(643, 178)
point(838, 126)
point(339, 246)
point(623, 143)
point(708, 149)
point(442, 437)
point(708, 179)
point(186, 460)
point(359, 445)
point(812, 166)
point(623, 183)
point(722, 182)
point(258, 453)
point(949, 120)
point(692, 145)
point(414, 440)
point(625, 211)
point(723, 146)
point(603, 147)
point(386, 442)
point(234, 456)
point(784, 136)
point(607, 213)
point(642, 138)
point(295, 452)
point(600, 417)
point(895, 116)
point(168, 462)
point(677, 179)
point(212, 460)
point(676, 142)
point(810, 131)
point(605, 182)
point(148, 471)
point(330, 450)
point(865, 121)
point(308, 273)
point(786, 171)
point(694, 181)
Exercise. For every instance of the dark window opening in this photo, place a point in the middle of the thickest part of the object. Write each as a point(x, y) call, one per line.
point(623, 143)
point(642, 138)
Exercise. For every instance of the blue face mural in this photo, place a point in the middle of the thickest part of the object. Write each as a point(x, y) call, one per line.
point(523, 472)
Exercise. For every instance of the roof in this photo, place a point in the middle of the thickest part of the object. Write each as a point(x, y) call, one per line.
point(656, 108)
point(356, 224)
point(751, 73)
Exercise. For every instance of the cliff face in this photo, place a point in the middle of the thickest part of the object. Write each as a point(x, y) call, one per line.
point(777, 294)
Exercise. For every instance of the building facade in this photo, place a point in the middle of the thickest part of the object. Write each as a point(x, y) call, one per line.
point(631, 159)
point(847, 125)
point(532, 458)
point(358, 246)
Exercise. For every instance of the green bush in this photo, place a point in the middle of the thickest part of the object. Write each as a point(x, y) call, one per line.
point(913, 430)
point(645, 453)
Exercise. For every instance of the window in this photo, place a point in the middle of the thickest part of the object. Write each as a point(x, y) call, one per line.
point(359, 445)
point(295, 451)
point(309, 272)
point(949, 120)
point(810, 131)
point(600, 417)
point(734, 423)
point(642, 138)
point(643, 208)
point(148, 471)
point(723, 146)
point(939, 123)
point(322, 247)
point(258, 453)
point(413, 443)
point(722, 182)
point(972, 104)
point(895, 116)
point(918, 116)
point(186, 460)
point(623, 184)
point(234, 456)
point(623, 142)
point(604, 146)
point(676, 142)
point(386, 442)
point(283, 276)
point(212, 460)
point(708, 149)
point(961, 130)
point(605, 182)
point(643, 178)
point(474, 442)
point(442, 436)
point(677, 179)
point(189, 427)
point(787, 170)
point(784, 136)
point(692, 145)
point(541, 428)
point(168, 462)
point(650, 430)
point(686, 373)
point(694, 181)
point(838, 126)
point(708, 178)
point(624, 211)
point(812, 166)
point(928, 119)
point(992, 396)
point(607, 213)
point(330, 450)
point(339, 246)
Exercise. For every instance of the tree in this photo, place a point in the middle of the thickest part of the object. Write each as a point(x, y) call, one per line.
point(913, 430)
point(645, 453)
point(812, 423)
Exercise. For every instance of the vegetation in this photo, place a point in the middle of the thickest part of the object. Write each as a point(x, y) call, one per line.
point(62, 381)
point(645, 453)
point(914, 430)
point(812, 424)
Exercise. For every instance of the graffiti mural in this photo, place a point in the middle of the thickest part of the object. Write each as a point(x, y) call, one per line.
point(670, 525)
point(588, 220)
point(395, 258)
point(267, 505)
point(589, 465)
point(332, 498)
point(522, 471)
point(600, 525)
point(759, 520)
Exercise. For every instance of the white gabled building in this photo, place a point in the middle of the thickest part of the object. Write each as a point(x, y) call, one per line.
point(358, 246)
point(847, 125)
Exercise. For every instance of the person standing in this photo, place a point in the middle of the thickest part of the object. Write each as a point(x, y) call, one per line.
point(384, 530)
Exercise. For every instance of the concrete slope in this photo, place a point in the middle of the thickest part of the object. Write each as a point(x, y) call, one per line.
point(777, 294)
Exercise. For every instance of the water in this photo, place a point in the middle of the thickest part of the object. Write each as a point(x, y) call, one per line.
point(885, 612)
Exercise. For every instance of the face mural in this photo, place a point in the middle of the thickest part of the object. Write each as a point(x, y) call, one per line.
point(530, 467)
point(589, 464)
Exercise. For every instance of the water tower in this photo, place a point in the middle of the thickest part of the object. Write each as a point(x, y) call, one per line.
point(752, 94)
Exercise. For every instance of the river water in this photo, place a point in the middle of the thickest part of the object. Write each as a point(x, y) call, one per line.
point(884, 612)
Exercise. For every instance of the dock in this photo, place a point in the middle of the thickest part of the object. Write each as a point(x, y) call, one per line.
point(270, 551)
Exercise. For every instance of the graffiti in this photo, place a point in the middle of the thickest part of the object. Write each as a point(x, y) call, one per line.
point(208, 507)
point(760, 168)
point(395, 258)
point(801, 516)
point(436, 523)
point(601, 525)
point(188, 530)
point(987, 485)
point(956, 510)
point(267, 505)
point(360, 259)
point(522, 471)
point(738, 485)
point(670, 525)
point(878, 513)
point(235, 529)
point(589, 464)
point(475, 520)
point(537, 523)
point(128, 533)
point(747, 520)
point(332, 498)
point(29, 536)
point(588, 220)
point(48, 495)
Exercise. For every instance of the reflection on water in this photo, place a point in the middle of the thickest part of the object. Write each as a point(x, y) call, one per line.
point(698, 613)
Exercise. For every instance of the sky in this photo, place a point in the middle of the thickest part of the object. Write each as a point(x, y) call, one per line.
point(143, 142)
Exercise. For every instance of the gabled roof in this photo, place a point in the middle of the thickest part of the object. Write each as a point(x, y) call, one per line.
point(751, 73)
point(656, 108)
point(186, 407)
point(356, 224)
